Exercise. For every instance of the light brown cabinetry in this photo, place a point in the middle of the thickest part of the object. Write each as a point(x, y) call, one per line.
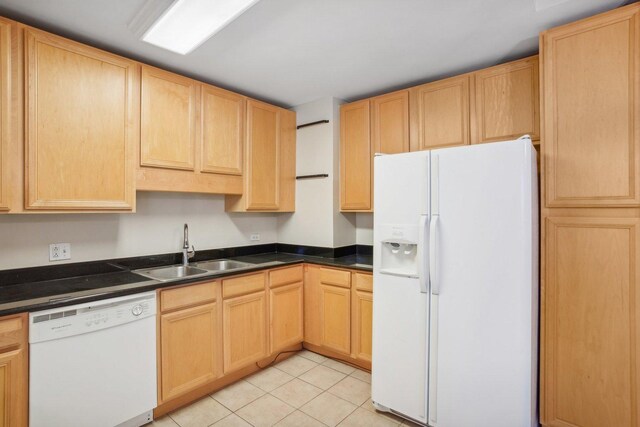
point(312, 326)
point(335, 309)
point(390, 123)
point(589, 355)
point(14, 371)
point(244, 321)
point(82, 125)
point(189, 339)
point(222, 119)
point(591, 72)
point(338, 309)
point(168, 120)
point(362, 316)
point(440, 113)
point(286, 307)
point(591, 371)
point(8, 87)
point(335, 305)
point(356, 157)
point(375, 125)
point(192, 136)
point(269, 161)
point(507, 103)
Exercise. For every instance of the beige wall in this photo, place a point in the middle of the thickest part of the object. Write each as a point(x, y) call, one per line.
point(155, 228)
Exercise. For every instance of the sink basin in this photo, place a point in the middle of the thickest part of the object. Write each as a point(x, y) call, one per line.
point(222, 265)
point(164, 274)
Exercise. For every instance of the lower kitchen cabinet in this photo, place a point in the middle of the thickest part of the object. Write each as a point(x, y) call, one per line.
point(14, 362)
point(336, 318)
point(312, 333)
point(189, 338)
point(362, 316)
point(286, 308)
point(244, 326)
point(338, 310)
point(189, 343)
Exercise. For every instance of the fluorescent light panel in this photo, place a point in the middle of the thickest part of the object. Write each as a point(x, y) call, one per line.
point(189, 23)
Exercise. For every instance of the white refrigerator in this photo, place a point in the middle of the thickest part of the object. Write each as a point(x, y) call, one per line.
point(455, 301)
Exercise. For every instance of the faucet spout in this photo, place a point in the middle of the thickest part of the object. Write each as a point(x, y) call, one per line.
point(186, 253)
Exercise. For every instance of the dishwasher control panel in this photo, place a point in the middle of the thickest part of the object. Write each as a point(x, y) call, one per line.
point(66, 321)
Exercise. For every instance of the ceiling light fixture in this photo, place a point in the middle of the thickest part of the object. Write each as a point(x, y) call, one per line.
point(189, 23)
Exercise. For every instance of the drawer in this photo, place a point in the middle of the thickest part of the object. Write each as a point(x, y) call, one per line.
point(243, 285)
point(340, 278)
point(186, 296)
point(364, 282)
point(13, 332)
point(284, 276)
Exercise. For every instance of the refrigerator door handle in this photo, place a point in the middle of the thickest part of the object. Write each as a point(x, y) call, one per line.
point(433, 258)
point(422, 259)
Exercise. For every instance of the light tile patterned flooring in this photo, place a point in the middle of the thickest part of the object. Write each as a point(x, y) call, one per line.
point(305, 390)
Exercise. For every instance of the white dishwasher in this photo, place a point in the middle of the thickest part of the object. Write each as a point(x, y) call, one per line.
point(94, 364)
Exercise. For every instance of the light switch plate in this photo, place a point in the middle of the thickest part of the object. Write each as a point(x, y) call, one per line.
point(255, 237)
point(59, 251)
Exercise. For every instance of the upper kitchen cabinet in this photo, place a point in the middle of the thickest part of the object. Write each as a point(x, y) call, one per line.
point(591, 111)
point(356, 157)
point(390, 123)
point(507, 102)
point(222, 131)
point(269, 161)
point(82, 126)
point(168, 120)
point(440, 113)
point(192, 136)
point(8, 89)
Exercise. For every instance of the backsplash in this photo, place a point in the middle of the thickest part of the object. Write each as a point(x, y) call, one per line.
point(156, 228)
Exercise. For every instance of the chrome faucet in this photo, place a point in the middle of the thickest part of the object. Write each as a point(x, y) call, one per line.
point(186, 253)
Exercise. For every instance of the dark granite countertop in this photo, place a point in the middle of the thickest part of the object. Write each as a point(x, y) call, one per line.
point(40, 288)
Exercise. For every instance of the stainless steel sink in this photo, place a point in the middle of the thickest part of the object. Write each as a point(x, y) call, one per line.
point(222, 265)
point(174, 272)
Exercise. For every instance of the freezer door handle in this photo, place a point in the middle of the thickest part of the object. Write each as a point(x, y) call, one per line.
point(433, 256)
point(422, 259)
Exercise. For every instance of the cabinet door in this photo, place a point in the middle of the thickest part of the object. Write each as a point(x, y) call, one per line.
point(82, 125)
point(335, 312)
point(507, 102)
point(6, 90)
point(312, 320)
point(168, 120)
point(245, 330)
point(13, 389)
point(591, 84)
point(223, 115)
point(263, 148)
point(362, 318)
point(590, 311)
point(440, 114)
point(286, 316)
point(189, 341)
point(390, 123)
point(14, 371)
point(355, 157)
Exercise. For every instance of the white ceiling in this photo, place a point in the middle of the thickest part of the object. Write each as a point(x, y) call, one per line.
point(294, 51)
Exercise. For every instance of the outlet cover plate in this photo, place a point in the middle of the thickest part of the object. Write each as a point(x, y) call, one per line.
point(255, 237)
point(59, 251)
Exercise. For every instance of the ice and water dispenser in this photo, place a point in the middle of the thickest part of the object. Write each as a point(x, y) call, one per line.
point(399, 250)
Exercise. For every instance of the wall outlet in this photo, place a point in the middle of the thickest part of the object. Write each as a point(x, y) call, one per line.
point(255, 237)
point(59, 251)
